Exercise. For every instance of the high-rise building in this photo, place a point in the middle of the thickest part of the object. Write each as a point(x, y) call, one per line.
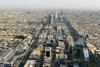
point(56, 15)
point(52, 19)
point(59, 31)
point(49, 19)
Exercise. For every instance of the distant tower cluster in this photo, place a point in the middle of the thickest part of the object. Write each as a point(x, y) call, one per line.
point(52, 18)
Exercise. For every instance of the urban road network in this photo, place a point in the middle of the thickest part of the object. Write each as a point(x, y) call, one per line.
point(55, 43)
point(62, 45)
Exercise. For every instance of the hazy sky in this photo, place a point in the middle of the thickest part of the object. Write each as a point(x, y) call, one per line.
point(72, 4)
